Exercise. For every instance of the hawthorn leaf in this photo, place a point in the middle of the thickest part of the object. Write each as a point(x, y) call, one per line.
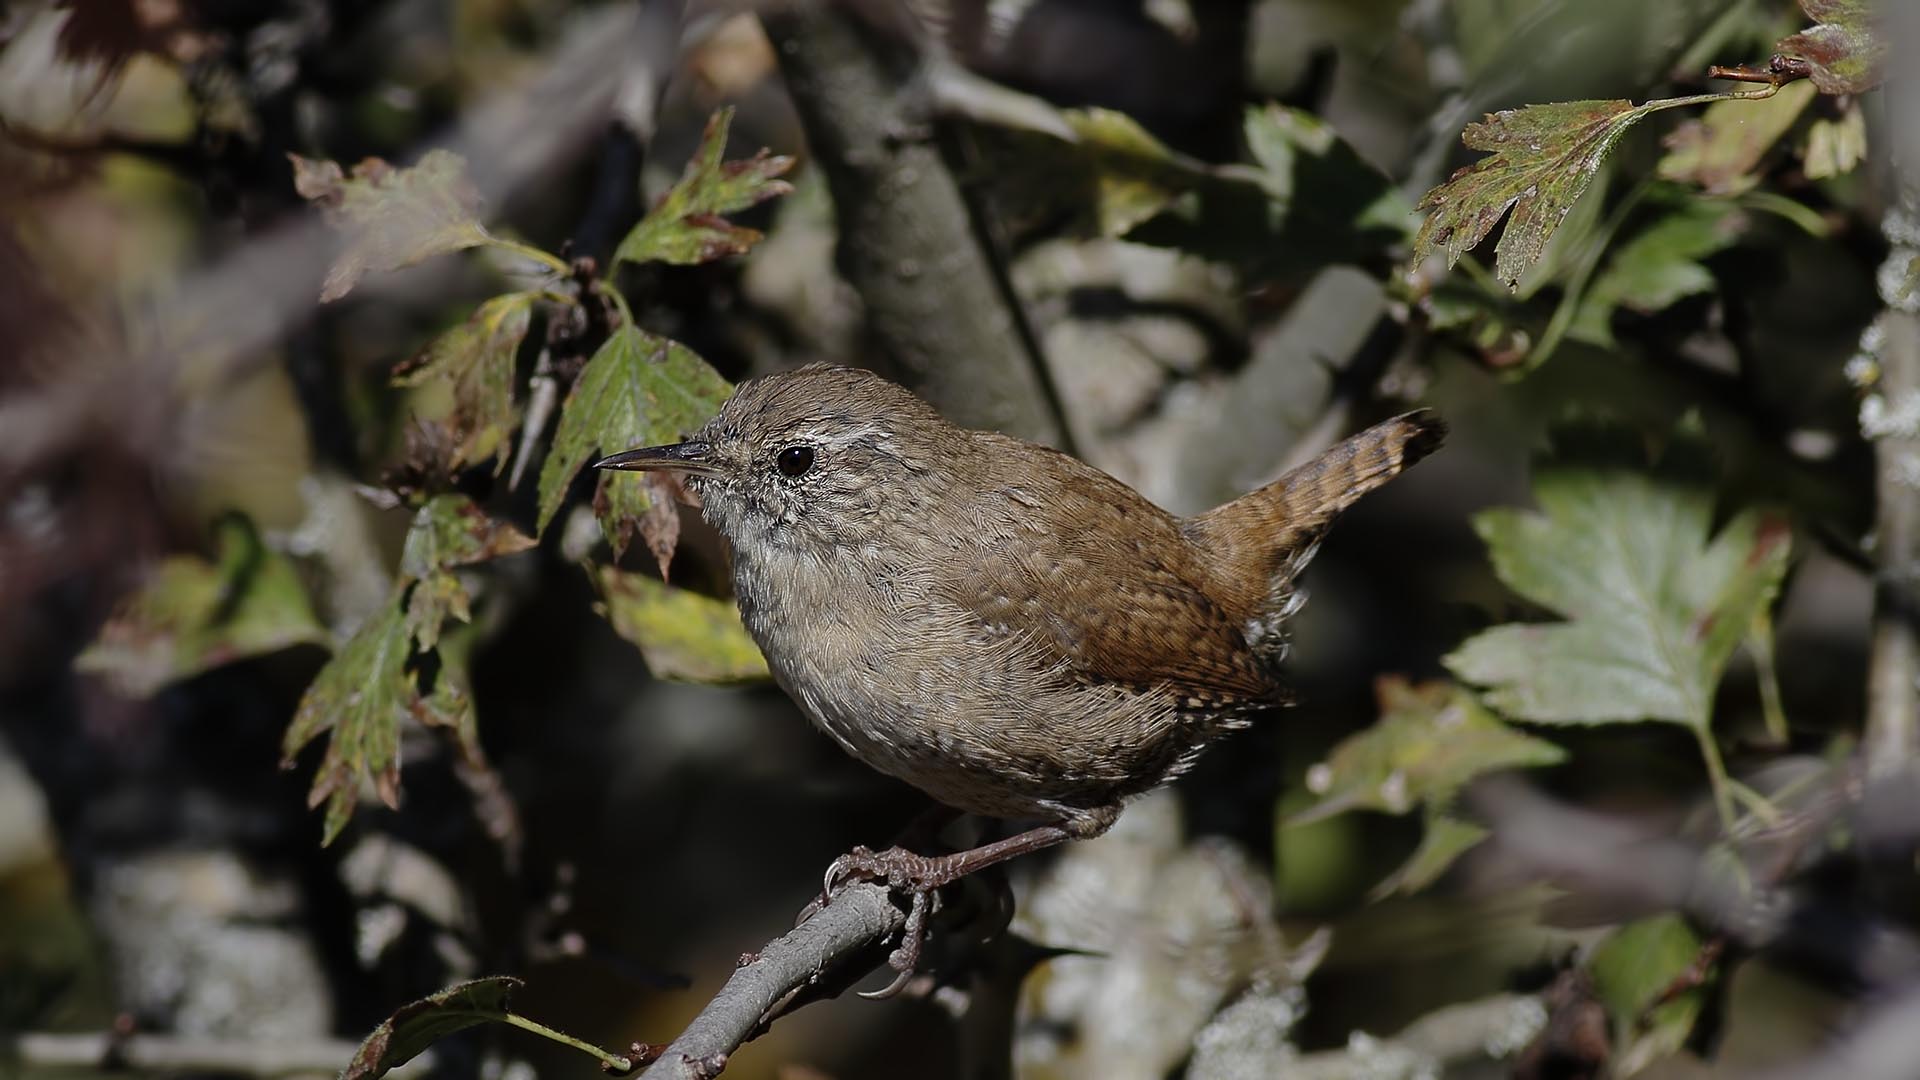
point(1637, 966)
point(1653, 603)
point(399, 665)
point(685, 226)
point(415, 1026)
point(637, 390)
point(476, 361)
point(1844, 46)
point(391, 217)
point(451, 530)
point(685, 637)
point(1720, 149)
point(1430, 740)
point(1658, 266)
point(1542, 158)
point(192, 615)
point(1133, 175)
point(1444, 840)
point(1836, 146)
point(359, 700)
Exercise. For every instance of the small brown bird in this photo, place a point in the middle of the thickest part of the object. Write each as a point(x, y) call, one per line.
point(1005, 627)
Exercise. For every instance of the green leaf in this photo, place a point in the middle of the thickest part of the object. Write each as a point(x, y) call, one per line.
point(1446, 839)
point(450, 530)
point(476, 361)
point(1658, 267)
point(1720, 149)
point(1835, 146)
point(396, 666)
point(685, 636)
point(1133, 175)
point(1637, 965)
point(1843, 46)
point(1543, 157)
point(362, 696)
point(417, 1025)
point(391, 217)
point(1430, 740)
point(638, 390)
point(192, 615)
point(685, 226)
point(1307, 202)
point(1654, 604)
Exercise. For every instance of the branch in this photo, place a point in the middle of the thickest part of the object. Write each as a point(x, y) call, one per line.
point(830, 944)
point(937, 300)
point(1890, 419)
point(189, 1054)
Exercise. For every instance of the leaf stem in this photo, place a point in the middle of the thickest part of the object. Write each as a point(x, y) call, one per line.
point(612, 1061)
point(1716, 774)
point(532, 254)
point(619, 302)
point(1760, 645)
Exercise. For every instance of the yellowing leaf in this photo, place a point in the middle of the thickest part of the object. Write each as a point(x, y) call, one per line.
point(476, 359)
point(1835, 146)
point(391, 217)
point(685, 636)
point(1843, 46)
point(415, 1026)
point(1654, 603)
point(1430, 740)
point(192, 615)
point(685, 226)
point(1720, 149)
point(1543, 157)
point(638, 390)
point(382, 677)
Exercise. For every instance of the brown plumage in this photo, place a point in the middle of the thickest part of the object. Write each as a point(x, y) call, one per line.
point(1013, 631)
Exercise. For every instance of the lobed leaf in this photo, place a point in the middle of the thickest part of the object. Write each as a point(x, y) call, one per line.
point(1653, 603)
point(476, 360)
point(1721, 148)
point(397, 667)
point(685, 226)
point(1658, 267)
point(1430, 740)
point(391, 217)
point(1542, 158)
point(193, 615)
point(637, 390)
point(685, 636)
point(415, 1026)
point(1843, 46)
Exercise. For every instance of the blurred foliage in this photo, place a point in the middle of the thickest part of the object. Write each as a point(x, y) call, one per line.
point(184, 512)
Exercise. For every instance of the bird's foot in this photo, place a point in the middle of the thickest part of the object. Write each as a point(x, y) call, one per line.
point(920, 877)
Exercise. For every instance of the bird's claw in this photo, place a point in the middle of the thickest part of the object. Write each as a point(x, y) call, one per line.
point(918, 876)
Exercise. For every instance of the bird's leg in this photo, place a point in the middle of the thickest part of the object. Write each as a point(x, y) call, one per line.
point(920, 876)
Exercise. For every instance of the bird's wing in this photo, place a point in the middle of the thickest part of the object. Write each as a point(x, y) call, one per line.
point(1104, 582)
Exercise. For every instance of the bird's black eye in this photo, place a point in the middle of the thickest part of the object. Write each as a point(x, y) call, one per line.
point(795, 460)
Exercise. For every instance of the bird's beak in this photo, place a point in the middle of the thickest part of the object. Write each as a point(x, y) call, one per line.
point(692, 456)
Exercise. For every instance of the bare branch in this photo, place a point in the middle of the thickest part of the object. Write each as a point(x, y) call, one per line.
point(860, 916)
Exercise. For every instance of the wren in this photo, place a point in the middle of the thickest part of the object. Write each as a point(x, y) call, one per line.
point(1005, 627)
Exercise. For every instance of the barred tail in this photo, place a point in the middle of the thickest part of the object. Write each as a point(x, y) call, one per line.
point(1260, 540)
